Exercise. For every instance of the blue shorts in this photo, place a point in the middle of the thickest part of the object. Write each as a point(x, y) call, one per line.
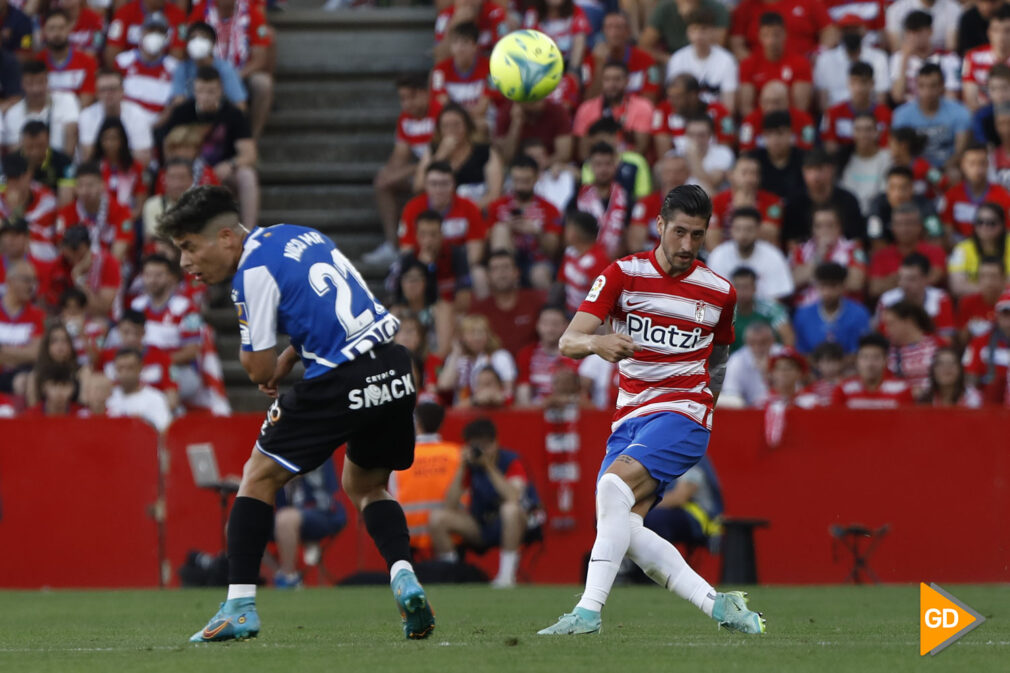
point(321, 524)
point(668, 444)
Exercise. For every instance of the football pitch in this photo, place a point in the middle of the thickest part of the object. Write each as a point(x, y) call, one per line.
point(818, 629)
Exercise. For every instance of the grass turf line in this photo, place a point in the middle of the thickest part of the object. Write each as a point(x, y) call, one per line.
point(820, 629)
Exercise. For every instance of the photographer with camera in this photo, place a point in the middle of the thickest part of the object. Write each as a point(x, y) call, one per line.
point(501, 500)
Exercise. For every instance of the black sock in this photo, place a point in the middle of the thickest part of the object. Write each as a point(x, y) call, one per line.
point(387, 525)
point(249, 528)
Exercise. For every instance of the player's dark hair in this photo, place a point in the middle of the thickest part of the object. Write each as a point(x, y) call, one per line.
point(776, 120)
point(930, 69)
point(607, 125)
point(73, 294)
point(480, 429)
point(412, 80)
point(917, 260)
point(439, 167)
point(429, 216)
point(908, 209)
point(917, 20)
point(874, 340)
point(771, 19)
point(525, 161)
point(743, 272)
point(202, 27)
point(602, 148)
point(195, 209)
point(616, 64)
point(34, 128)
point(208, 73)
point(906, 310)
point(89, 168)
point(131, 352)
point(467, 30)
point(830, 273)
point(700, 17)
point(33, 67)
point(901, 171)
point(745, 212)
point(132, 316)
point(584, 222)
point(827, 350)
point(429, 417)
point(690, 200)
point(861, 70)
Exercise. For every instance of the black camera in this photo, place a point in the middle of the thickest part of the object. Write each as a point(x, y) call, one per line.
point(475, 453)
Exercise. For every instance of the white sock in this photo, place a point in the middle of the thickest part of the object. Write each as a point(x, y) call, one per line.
point(397, 567)
point(661, 561)
point(241, 591)
point(614, 500)
point(507, 565)
point(449, 557)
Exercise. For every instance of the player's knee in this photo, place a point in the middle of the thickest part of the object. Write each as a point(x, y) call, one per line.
point(613, 496)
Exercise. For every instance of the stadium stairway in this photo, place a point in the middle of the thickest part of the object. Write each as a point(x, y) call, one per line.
point(331, 128)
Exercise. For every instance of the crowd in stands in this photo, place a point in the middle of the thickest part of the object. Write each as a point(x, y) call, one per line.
point(856, 153)
point(110, 111)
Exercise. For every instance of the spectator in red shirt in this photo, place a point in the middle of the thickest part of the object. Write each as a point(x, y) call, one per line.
point(565, 23)
point(70, 70)
point(585, 258)
point(463, 78)
point(947, 384)
point(773, 63)
point(744, 183)
point(606, 200)
point(544, 120)
point(56, 349)
point(899, 190)
point(644, 75)
point(807, 25)
point(510, 309)
point(906, 146)
point(958, 206)
point(976, 312)
point(775, 98)
point(126, 29)
point(415, 294)
point(670, 171)
point(837, 124)
point(87, 27)
point(827, 244)
point(124, 177)
point(913, 287)
point(93, 271)
point(987, 357)
point(912, 346)
point(633, 112)
point(156, 365)
point(490, 17)
point(108, 222)
point(828, 364)
point(21, 326)
point(14, 248)
point(683, 101)
point(786, 370)
point(177, 176)
point(979, 60)
point(872, 387)
point(526, 224)
point(476, 347)
point(538, 361)
point(489, 392)
point(58, 391)
point(908, 234)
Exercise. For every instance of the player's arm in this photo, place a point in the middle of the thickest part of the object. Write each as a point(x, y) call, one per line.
point(285, 363)
point(259, 365)
point(717, 369)
point(580, 340)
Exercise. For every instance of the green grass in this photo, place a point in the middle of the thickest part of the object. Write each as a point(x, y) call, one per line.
point(819, 629)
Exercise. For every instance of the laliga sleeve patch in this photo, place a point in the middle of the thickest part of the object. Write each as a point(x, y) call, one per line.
point(594, 291)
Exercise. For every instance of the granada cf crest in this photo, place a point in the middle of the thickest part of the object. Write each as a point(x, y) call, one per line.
point(699, 311)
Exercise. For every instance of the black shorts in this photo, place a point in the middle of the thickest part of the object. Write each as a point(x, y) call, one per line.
point(367, 403)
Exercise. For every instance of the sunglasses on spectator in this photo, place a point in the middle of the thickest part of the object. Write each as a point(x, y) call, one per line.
point(988, 222)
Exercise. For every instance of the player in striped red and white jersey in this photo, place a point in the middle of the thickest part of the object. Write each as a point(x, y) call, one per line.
point(672, 323)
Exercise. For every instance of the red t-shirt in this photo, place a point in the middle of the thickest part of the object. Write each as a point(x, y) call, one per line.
point(536, 368)
point(988, 359)
point(41, 216)
point(912, 362)
point(553, 121)
point(21, 329)
point(567, 94)
point(645, 212)
point(957, 208)
point(461, 223)
point(578, 272)
point(930, 181)
point(887, 260)
point(75, 74)
point(666, 120)
point(562, 30)
point(128, 187)
point(491, 21)
point(235, 41)
point(126, 27)
point(976, 66)
point(805, 19)
point(752, 128)
point(769, 204)
point(104, 274)
point(890, 394)
point(117, 224)
point(464, 88)
point(156, 367)
point(146, 84)
point(539, 210)
point(416, 132)
point(644, 75)
point(757, 70)
point(516, 327)
point(975, 314)
point(872, 13)
point(836, 124)
point(87, 34)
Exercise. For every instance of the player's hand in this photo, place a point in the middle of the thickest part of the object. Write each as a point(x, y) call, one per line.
point(614, 347)
point(269, 389)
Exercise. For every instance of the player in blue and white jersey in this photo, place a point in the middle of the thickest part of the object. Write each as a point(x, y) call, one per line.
point(358, 388)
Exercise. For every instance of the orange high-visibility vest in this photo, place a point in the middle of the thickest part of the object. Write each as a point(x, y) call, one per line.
point(422, 488)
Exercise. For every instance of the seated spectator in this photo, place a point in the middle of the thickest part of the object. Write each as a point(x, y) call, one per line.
point(838, 124)
point(960, 203)
point(670, 172)
point(201, 44)
point(707, 161)
point(945, 14)
point(88, 332)
point(906, 146)
point(806, 26)
point(983, 122)
point(999, 153)
point(827, 245)
point(148, 69)
point(228, 144)
point(781, 161)
point(973, 25)
point(51, 168)
point(683, 101)
point(246, 49)
point(989, 238)
point(833, 65)
point(691, 507)
point(108, 222)
point(58, 109)
point(526, 225)
point(463, 78)
point(600, 381)
point(131, 397)
point(178, 177)
point(606, 200)
point(828, 364)
point(744, 190)
point(832, 317)
point(908, 234)
point(16, 37)
point(10, 81)
point(771, 62)
point(662, 29)
point(538, 361)
point(414, 129)
point(775, 98)
point(489, 16)
point(307, 511)
point(557, 183)
point(510, 309)
point(186, 142)
point(632, 112)
point(865, 172)
point(546, 121)
point(501, 500)
point(566, 389)
point(489, 392)
point(111, 103)
point(415, 295)
point(988, 355)
point(912, 287)
point(975, 312)
point(126, 30)
point(22, 197)
point(476, 166)
point(585, 258)
point(912, 345)
point(714, 67)
point(945, 123)
point(980, 60)
point(70, 70)
point(56, 350)
point(475, 347)
point(633, 171)
point(124, 177)
point(87, 26)
point(14, 247)
point(59, 388)
point(90, 269)
point(413, 335)
point(750, 309)
point(786, 371)
point(821, 190)
point(644, 74)
point(873, 387)
point(565, 23)
point(97, 391)
point(899, 194)
point(21, 327)
point(156, 365)
point(774, 281)
point(917, 50)
point(745, 385)
point(947, 386)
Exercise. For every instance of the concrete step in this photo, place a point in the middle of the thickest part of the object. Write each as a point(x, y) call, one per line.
point(380, 119)
point(314, 92)
point(334, 197)
point(348, 219)
point(318, 49)
point(307, 14)
point(318, 172)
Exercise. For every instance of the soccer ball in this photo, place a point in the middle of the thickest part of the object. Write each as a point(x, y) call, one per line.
point(526, 65)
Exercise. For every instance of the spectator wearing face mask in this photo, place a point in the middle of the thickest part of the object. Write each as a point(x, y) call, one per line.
point(147, 70)
point(126, 29)
point(201, 39)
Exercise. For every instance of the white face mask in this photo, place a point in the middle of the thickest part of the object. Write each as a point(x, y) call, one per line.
point(198, 48)
point(99, 4)
point(153, 43)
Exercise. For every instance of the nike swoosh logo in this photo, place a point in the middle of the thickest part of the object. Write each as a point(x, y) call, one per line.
point(210, 633)
point(633, 305)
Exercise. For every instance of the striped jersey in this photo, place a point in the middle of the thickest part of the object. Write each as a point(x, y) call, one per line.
point(675, 320)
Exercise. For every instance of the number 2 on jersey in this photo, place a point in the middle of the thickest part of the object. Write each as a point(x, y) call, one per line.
point(337, 274)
